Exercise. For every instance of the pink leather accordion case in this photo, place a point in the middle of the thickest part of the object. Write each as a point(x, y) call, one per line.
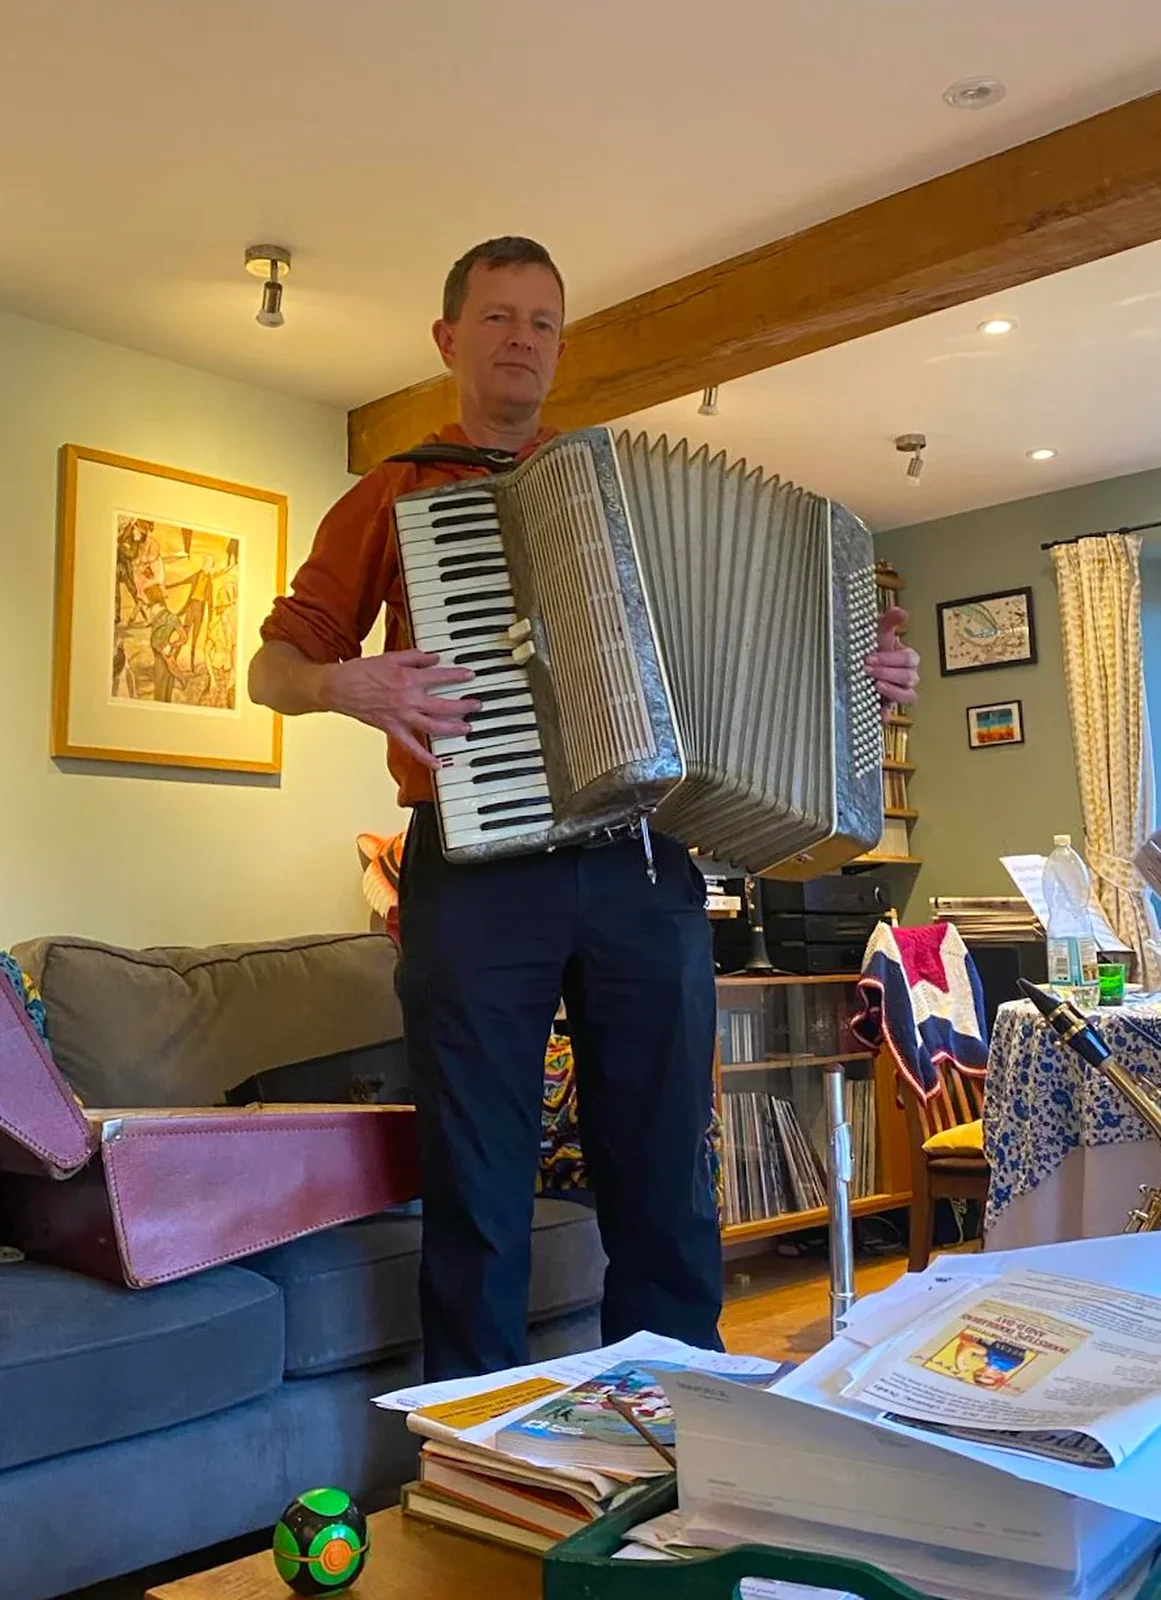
point(142, 1197)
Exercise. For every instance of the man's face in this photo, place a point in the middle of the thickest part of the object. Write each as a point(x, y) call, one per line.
point(504, 348)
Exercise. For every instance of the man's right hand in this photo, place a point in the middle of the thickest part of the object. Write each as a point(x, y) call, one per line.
point(395, 692)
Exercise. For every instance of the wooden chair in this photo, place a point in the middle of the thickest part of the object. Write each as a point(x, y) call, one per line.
point(947, 1158)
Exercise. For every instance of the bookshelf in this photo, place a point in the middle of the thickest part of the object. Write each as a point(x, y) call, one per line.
point(776, 1035)
point(894, 849)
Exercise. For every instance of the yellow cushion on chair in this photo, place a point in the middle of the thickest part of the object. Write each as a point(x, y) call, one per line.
point(967, 1139)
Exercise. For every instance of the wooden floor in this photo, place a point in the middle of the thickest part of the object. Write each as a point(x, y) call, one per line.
point(780, 1308)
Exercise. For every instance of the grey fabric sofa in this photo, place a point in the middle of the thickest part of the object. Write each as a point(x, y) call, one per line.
point(137, 1426)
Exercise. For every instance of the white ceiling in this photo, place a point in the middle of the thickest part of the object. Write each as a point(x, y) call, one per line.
point(1081, 374)
point(145, 143)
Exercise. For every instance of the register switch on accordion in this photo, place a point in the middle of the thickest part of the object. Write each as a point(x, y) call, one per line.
point(655, 634)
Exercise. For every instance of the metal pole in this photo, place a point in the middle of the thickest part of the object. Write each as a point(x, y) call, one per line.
point(839, 1171)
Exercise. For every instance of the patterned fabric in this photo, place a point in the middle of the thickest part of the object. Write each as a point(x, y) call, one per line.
point(1098, 581)
point(562, 1165)
point(382, 863)
point(1041, 1100)
point(921, 995)
point(11, 972)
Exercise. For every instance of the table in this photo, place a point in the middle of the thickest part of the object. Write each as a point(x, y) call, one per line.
point(408, 1560)
point(1067, 1154)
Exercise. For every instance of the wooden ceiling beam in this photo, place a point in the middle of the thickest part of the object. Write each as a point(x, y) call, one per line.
point(1086, 191)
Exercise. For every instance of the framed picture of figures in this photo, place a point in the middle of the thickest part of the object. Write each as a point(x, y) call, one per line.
point(164, 578)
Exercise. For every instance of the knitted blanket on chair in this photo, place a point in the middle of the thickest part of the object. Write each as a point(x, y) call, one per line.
point(921, 997)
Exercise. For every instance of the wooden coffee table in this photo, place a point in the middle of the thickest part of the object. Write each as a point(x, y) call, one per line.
point(408, 1561)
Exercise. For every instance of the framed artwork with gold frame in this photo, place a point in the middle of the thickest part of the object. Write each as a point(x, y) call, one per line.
point(163, 580)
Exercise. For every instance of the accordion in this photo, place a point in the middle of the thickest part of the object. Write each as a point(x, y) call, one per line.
point(655, 634)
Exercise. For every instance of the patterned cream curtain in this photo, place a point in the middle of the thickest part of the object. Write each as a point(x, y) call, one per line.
point(1099, 585)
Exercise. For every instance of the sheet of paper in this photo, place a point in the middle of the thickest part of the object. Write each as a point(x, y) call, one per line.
point(1031, 1351)
point(1027, 873)
point(467, 1408)
point(1124, 1261)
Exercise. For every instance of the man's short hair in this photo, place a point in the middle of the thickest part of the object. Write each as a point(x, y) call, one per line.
point(506, 252)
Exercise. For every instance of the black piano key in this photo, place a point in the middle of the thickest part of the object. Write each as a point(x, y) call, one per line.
point(516, 689)
point(465, 502)
point(456, 537)
point(462, 573)
point(521, 803)
point(469, 658)
point(492, 733)
point(507, 774)
point(490, 715)
point(525, 817)
point(498, 757)
point(454, 615)
point(474, 633)
point(464, 558)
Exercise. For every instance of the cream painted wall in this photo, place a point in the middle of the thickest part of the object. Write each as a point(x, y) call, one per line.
point(136, 856)
point(977, 805)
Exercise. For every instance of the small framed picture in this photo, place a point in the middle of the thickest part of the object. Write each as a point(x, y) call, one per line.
point(985, 631)
point(1002, 723)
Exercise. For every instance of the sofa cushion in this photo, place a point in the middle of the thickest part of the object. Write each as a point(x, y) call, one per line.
point(352, 1293)
point(181, 1027)
point(83, 1363)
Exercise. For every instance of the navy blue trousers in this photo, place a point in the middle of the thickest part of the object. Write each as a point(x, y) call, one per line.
point(488, 951)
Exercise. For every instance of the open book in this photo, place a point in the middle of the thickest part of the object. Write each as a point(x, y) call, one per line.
point(1029, 1361)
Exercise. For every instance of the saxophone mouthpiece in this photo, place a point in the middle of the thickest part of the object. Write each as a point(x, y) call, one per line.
point(1073, 1028)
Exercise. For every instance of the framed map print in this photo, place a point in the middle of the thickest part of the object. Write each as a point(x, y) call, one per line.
point(164, 578)
point(986, 631)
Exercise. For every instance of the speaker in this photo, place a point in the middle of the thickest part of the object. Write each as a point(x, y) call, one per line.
point(1001, 965)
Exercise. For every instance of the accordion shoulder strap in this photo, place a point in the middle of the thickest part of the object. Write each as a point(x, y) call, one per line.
point(457, 455)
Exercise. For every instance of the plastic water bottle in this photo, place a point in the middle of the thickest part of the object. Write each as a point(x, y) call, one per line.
point(1072, 951)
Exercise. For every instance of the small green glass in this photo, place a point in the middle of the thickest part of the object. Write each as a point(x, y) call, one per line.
point(1112, 981)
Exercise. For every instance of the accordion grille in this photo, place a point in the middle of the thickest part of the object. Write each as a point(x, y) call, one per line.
point(604, 714)
point(866, 736)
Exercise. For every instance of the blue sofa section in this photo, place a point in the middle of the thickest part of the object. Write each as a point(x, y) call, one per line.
point(139, 1426)
point(136, 1426)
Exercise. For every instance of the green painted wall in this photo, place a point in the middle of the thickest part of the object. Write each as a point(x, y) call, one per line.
point(977, 805)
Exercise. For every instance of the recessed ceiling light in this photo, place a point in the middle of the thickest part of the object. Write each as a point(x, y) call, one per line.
point(997, 325)
point(975, 94)
point(1043, 454)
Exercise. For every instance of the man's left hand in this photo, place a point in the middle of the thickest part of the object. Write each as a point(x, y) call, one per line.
point(894, 667)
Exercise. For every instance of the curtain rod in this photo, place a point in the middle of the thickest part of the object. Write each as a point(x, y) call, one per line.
point(1107, 533)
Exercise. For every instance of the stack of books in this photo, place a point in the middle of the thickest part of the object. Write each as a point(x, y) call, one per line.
point(992, 919)
point(548, 1473)
point(529, 1457)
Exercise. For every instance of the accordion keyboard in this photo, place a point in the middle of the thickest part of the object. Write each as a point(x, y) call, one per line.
point(491, 782)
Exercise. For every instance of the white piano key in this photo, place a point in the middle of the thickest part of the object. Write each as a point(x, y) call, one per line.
point(422, 592)
point(464, 607)
point(481, 805)
point(447, 533)
point(425, 559)
point(469, 635)
point(514, 678)
point(479, 756)
point(531, 823)
point(495, 733)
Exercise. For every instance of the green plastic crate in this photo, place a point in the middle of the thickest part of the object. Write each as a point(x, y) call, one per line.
point(580, 1568)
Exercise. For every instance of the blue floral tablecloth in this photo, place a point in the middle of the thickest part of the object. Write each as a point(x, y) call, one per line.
point(1041, 1100)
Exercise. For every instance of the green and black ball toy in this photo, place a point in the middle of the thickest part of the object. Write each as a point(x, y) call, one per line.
point(320, 1542)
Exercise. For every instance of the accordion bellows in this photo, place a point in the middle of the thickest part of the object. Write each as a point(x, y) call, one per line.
point(658, 633)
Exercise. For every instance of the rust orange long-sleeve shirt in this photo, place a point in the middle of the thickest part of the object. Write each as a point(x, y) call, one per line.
point(353, 572)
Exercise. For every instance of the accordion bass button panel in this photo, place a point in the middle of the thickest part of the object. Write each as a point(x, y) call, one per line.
point(491, 782)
